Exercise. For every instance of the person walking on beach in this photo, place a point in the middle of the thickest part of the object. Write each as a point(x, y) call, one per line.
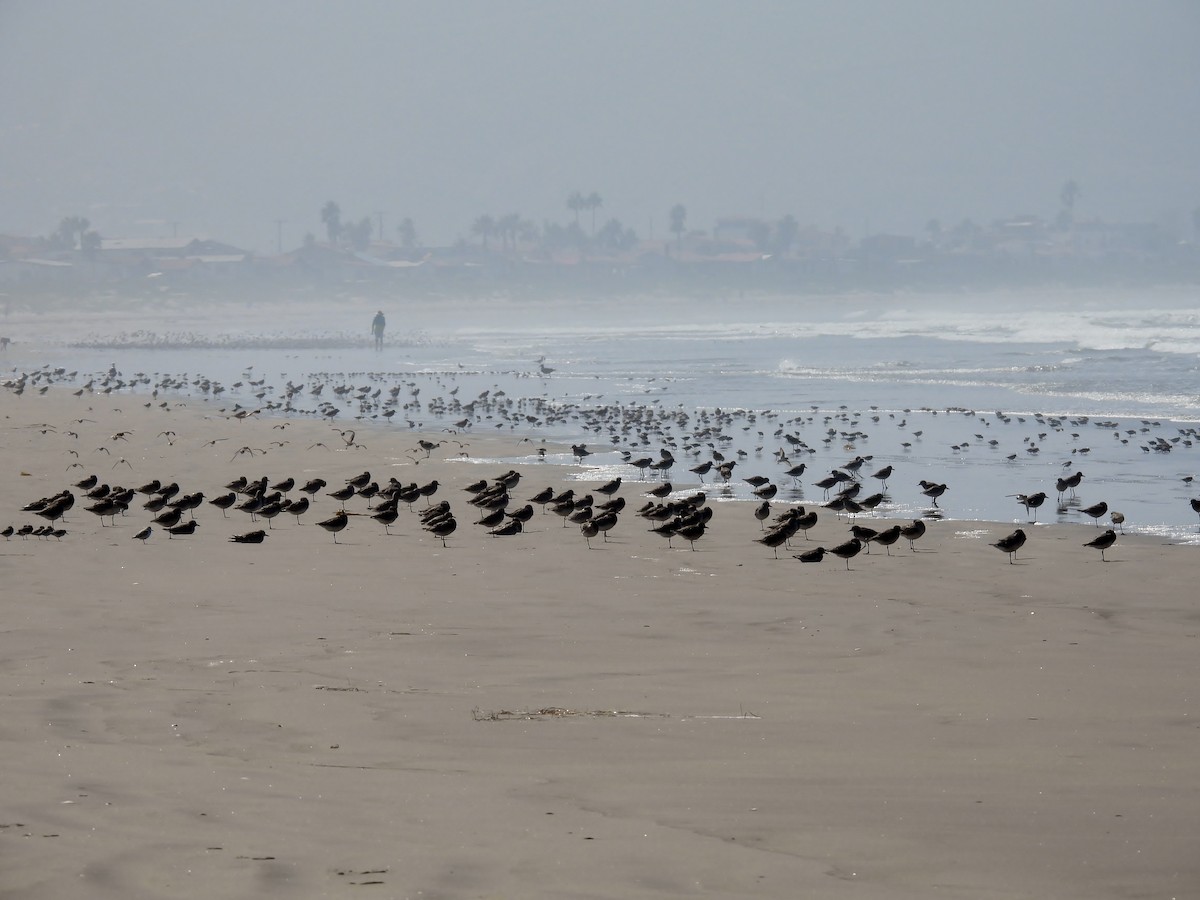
point(377, 326)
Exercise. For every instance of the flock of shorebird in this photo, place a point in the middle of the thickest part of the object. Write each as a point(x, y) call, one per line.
point(705, 436)
point(668, 513)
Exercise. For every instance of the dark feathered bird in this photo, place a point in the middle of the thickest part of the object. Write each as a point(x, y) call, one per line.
point(774, 539)
point(847, 551)
point(912, 533)
point(443, 528)
point(186, 528)
point(610, 487)
point(1103, 542)
point(508, 529)
point(1011, 544)
point(250, 537)
point(814, 555)
point(335, 523)
point(1096, 511)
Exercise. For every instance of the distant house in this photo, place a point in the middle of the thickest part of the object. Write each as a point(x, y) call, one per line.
point(179, 258)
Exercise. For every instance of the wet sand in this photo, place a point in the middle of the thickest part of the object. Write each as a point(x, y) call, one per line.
point(529, 716)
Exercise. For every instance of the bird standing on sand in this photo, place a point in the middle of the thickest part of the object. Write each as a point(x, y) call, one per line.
point(912, 533)
point(1011, 544)
point(442, 528)
point(847, 551)
point(144, 534)
point(774, 539)
point(887, 537)
point(336, 523)
point(1103, 542)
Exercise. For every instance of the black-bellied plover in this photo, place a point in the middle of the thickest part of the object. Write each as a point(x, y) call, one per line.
point(1103, 542)
point(1011, 544)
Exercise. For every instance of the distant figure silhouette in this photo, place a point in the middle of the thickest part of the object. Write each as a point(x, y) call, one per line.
point(377, 326)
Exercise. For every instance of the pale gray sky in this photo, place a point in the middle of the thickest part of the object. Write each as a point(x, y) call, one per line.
point(226, 115)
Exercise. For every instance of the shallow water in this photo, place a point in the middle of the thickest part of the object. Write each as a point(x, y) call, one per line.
point(1101, 382)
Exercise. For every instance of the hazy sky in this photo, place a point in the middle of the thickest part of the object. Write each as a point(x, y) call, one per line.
point(225, 115)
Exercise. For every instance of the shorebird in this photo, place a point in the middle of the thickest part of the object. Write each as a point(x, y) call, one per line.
point(297, 508)
point(336, 523)
point(1103, 542)
point(766, 492)
point(144, 534)
point(662, 490)
point(883, 475)
point(864, 534)
point(847, 551)
point(701, 470)
point(806, 521)
point(814, 555)
point(186, 528)
point(1118, 519)
point(933, 490)
point(359, 481)
point(250, 537)
point(692, 532)
point(492, 519)
point(887, 537)
point(610, 488)
point(912, 533)
point(1195, 505)
point(385, 516)
point(344, 494)
point(313, 486)
point(1032, 501)
point(605, 523)
point(775, 538)
point(1011, 544)
point(1068, 484)
point(543, 497)
point(589, 530)
point(1096, 511)
point(169, 519)
point(762, 512)
point(509, 528)
point(443, 528)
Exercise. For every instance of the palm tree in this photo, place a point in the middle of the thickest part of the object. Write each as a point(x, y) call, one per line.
point(575, 203)
point(594, 201)
point(485, 227)
point(507, 227)
point(678, 218)
point(331, 217)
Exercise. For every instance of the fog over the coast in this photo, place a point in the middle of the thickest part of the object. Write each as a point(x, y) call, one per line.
point(223, 118)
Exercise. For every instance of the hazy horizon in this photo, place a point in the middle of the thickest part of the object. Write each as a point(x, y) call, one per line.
point(221, 119)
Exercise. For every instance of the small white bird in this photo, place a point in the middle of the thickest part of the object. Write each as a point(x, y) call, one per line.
point(144, 534)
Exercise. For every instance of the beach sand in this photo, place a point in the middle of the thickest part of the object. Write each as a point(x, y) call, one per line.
point(531, 717)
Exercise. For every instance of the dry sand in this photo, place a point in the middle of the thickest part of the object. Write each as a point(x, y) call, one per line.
point(531, 717)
